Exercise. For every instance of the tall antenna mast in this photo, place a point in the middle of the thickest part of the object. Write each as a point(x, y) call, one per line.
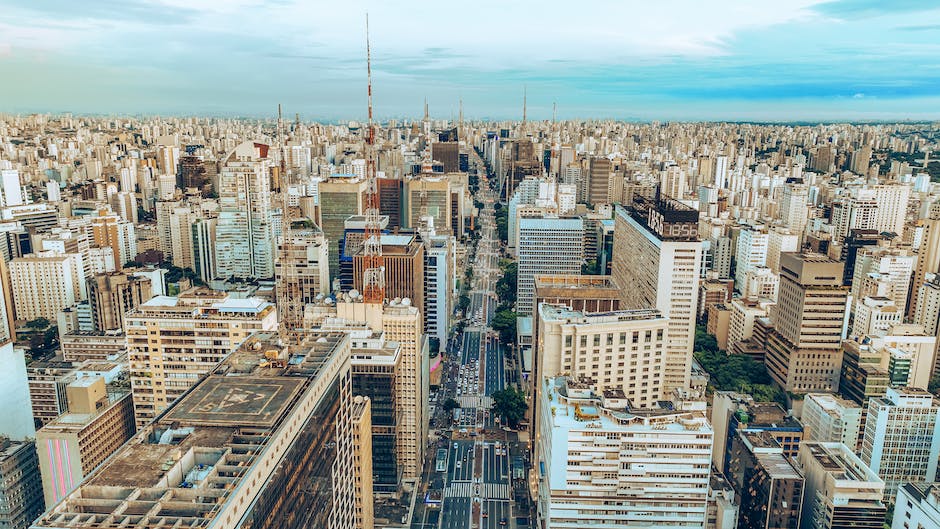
point(373, 280)
point(287, 288)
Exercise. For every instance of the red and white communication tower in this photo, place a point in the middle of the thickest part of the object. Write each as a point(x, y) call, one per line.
point(373, 280)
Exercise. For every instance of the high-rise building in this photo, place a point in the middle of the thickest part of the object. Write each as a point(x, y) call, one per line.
point(881, 271)
point(203, 234)
point(361, 417)
point(428, 196)
point(751, 253)
point(604, 464)
point(45, 283)
point(917, 506)
point(831, 419)
point(770, 488)
point(804, 351)
point(621, 350)
point(733, 412)
point(403, 258)
point(110, 230)
point(601, 169)
point(928, 255)
point(656, 263)
point(113, 295)
point(447, 153)
point(902, 437)
point(546, 246)
point(793, 207)
point(301, 273)
point(340, 198)
point(173, 341)
point(244, 245)
point(761, 283)
point(780, 240)
point(841, 490)
point(265, 440)
point(100, 419)
point(439, 286)
point(21, 493)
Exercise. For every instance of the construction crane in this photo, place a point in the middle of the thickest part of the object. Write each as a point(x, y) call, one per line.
point(373, 280)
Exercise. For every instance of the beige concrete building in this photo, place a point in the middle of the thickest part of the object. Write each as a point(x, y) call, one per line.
point(100, 419)
point(623, 350)
point(841, 490)
point(428, 196)
point(113, 295)
point(804, 351)
point(45, 283)
point(928, 256)
point(173, 341)
point(78, 346)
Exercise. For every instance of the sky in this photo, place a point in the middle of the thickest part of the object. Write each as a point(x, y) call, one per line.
point(762, 60)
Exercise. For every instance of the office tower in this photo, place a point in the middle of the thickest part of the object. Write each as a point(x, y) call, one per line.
point(110, 230)
point(439, 286)
point(400, 321)
point(854, 242)
point(447, 153)
point(902, 437)
point(621, 350)
point(45, 283)
point(841, 490)
point(657, 259)
point(927, 309)
point(780, 240)
point(831, 419)
point(181, 230)
point(917, 506)
point(124, 203)
point(301, 273)
point(862, 374)
point(99, 420)
point(391, 191)
point(361, 416)
point(718, 323)
point(733, 412)
point(823, 158)
point(265, 440)
point(376, 370)
point(172, 341)
point(546, 246)
point(577, 292)
point(721, 172)
point(874, 316)
point(428, 196)
point(21, 493)
point(113, 295)
point(861, 158)
point(244, 244)
point(403, 258)
point(892, 202)
point(203, 234)
point(804, 352)
point(587, 441)
point(770, 488)
point(164, 212)
point(760, 283)
point(928, 255)
point(340, 198)
point(885, 272)
point(601, 169)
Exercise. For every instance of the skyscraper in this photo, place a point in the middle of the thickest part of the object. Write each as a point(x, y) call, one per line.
point(547, 245)
point(244, 245)
point(751, 253)
point(301, 273)
point(656, 263)
point(841, 490)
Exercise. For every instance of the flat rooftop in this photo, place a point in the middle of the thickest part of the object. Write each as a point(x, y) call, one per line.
point(242, 401)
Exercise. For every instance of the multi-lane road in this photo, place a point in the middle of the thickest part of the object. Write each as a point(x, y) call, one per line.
point(476, 487)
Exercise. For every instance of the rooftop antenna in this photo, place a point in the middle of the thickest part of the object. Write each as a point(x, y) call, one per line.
point(286, 288)
point(460, 120)
point(373, 280)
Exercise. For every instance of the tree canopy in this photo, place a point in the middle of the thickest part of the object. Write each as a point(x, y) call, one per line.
point(510, 404)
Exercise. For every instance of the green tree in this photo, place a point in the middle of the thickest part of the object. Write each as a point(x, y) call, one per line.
point(38, 323)
point(934, 385)
point(506, 285)
point(510, 404)
point(451, 405)
point(504, 322)
point(463, 303)
point(589, 268)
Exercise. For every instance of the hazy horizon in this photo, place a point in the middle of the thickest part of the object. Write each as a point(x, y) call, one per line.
point(674, 60)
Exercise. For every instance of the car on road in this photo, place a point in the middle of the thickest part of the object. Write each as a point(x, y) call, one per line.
point(503, 521)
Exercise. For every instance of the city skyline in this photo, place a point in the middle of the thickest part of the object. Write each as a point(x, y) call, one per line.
point(671, 60)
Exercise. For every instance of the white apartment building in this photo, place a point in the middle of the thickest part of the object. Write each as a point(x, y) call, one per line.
point(829, 418)
point(761, 282)
point(623, 350)
point(902, 437)
point(883, 272)
point(599, 464)
point(780, 240)
point(751, 253)
point(917, 506)
point(874, 316)
point(173, 341)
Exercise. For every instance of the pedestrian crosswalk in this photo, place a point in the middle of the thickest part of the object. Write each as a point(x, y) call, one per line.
point(475, 401)
point(487, 491)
